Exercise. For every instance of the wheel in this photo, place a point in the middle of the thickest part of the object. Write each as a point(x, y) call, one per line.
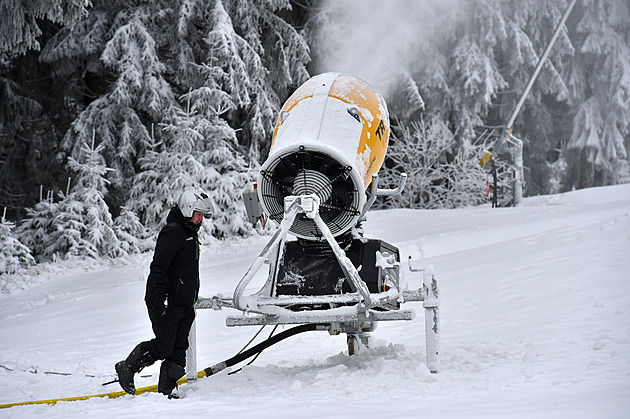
point(353, 344)
point(356, 342)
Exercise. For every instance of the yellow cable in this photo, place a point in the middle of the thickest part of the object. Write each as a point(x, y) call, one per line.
point(113, 395)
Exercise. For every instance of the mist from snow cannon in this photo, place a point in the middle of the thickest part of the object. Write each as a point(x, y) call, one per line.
point(378, 40)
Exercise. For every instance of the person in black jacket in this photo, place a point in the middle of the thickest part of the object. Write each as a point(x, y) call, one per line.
point(171, 293)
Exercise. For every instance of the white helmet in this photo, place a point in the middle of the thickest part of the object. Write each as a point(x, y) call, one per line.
point(191, 201)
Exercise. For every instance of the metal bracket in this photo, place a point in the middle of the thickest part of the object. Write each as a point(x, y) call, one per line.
point(376, 192)
point(309, 205)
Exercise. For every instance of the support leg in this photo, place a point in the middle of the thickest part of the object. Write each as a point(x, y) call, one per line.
point(431, 318)
point(191, 353)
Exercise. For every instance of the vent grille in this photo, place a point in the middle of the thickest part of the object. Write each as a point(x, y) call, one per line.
point(304, 172)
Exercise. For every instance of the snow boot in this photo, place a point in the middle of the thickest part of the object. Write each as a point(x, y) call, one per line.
point(139, 358)
point(170, 372)
point(125, 377)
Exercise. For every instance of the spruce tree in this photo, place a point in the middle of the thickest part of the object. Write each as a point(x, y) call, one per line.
point(138, 95)
point(235, 61)
point(83, 223)
point(19, 27)
point(131, 233)
point(253, 55)
point(16, 113)
point(13, 254)
point(599, 79)
point(243, 57)
point(36, 230)
point(199, 152)
point(80, 223)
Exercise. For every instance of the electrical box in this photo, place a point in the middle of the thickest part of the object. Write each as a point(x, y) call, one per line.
point(252, 205)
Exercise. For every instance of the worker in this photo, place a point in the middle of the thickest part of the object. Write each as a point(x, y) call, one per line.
point(171, 292)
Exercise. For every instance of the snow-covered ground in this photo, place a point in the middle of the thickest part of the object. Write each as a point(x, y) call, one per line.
point(535, 322)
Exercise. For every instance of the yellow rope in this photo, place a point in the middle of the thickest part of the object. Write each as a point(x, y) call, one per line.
point(113, 395)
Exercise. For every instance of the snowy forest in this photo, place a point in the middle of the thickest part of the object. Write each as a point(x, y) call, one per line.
point(109, 109)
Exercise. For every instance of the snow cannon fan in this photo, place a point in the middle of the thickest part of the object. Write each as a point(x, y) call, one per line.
point(330, 139)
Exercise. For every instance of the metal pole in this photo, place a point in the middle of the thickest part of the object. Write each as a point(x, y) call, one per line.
point(541, 61)
point(518, 158)
point(191, 353)
point(519, 172)
point(431, 318)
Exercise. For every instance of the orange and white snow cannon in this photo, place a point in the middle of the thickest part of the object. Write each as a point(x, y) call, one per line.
point(317, 184)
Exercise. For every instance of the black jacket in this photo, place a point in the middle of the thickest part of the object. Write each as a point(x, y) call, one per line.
point(174, 270)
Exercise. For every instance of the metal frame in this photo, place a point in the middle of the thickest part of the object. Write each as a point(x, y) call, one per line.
point(263, 308)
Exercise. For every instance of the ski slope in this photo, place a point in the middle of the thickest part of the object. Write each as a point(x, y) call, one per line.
point(535, 323)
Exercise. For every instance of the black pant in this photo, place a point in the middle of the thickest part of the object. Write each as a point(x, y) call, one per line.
point(171, 328)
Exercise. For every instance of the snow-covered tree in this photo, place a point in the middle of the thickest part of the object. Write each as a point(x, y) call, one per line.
point(471, 61)
point(421, 152)
point(199, 152)
point(439, 173)
point(80, 224)
point(599, 79)
point(138, 95)
point(36, 230)
point(406, 101)
point(13, 254)
point(254, 56)
point(16, 112)
point(227, 115)
point(476, 79)
point(131, 232)
point(465, 177)
point(19, 28)
point(235, 60)
point(491, 51)
point(83, 224)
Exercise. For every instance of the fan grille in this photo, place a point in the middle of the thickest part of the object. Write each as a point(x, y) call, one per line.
point(304, 172)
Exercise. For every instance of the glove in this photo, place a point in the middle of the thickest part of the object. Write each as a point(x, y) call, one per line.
point(164, 306)
point(159, 305)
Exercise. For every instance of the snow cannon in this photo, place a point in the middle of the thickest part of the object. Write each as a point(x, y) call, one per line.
point(330, 139)
point(317, 184)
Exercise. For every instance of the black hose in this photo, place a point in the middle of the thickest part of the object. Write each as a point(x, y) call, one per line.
point(251, 361)
point(256, 349)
